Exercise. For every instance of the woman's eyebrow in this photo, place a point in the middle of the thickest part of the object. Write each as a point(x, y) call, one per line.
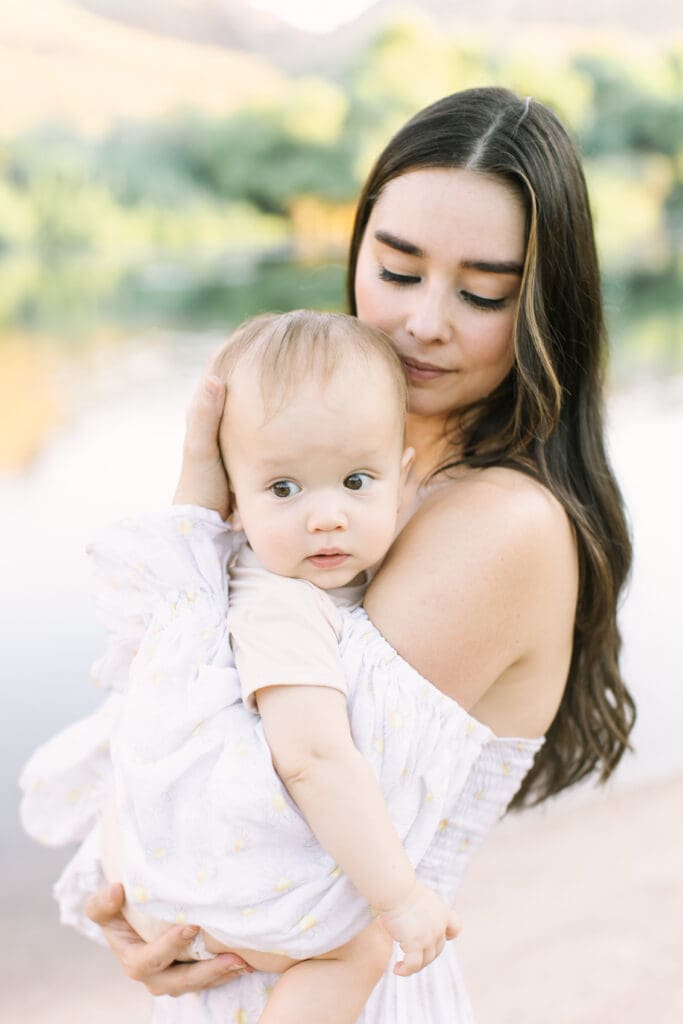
point(485, 266)
point(494, 266)
point(400, 244)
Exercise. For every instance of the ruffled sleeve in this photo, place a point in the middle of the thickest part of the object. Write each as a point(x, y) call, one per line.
point(138, 566)
point(65, 782)
point(139, 563)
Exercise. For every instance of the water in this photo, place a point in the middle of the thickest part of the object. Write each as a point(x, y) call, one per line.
point(92, 405)
point(96, 434)
point(113, 450)
point(646, 441)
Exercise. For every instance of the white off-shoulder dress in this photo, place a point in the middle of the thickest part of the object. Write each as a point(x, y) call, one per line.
point(210, 834)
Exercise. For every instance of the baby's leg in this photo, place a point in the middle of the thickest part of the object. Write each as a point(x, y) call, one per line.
point(333, 987)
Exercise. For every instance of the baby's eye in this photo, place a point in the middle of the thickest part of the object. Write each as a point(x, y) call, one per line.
point(357, 481)
point(284, 488)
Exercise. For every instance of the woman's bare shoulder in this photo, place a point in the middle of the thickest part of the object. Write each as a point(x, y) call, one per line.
point(499, 493)
point(497, 513)
point(480, 583)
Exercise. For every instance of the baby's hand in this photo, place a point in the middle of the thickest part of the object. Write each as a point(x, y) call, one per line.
point(421, 924)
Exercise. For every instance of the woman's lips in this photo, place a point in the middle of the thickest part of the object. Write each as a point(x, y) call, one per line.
point(327, 560)
point(422, 371)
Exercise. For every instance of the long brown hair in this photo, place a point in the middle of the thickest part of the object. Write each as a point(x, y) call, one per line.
point(546, 418)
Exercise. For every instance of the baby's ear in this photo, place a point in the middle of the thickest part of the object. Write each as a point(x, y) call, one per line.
point(235, 518)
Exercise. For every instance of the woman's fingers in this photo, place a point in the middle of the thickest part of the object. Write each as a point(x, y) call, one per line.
point(202, 476)
point(144, 960)
point(140, 959)
point(105, 904)
point(203, 418)
point(154, 963)
point(192, 977)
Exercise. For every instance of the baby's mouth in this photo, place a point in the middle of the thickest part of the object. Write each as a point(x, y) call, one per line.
point(328, 558)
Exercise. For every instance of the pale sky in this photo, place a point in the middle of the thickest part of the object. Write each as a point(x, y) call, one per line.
point(314, 15)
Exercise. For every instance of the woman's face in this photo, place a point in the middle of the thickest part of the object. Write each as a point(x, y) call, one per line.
point(439, 269)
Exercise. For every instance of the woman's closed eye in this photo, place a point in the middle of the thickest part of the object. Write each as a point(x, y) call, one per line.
point(284, 488)
point(478, 301)
point(400, 279)
point(358, 481)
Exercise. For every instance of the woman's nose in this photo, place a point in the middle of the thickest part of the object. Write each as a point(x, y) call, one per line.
point(430, 318)
point(326, 515)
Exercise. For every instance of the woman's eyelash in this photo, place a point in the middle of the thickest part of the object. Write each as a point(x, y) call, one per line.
point(480, 302)
point(389, 275)
point(474, 300)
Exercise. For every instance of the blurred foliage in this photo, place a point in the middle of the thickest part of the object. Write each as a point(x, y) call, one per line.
point(170, 213)
point(72, 298)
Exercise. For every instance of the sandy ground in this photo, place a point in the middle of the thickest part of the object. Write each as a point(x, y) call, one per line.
point(573, 915)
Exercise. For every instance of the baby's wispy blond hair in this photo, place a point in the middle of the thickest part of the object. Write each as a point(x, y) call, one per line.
point(288, 348)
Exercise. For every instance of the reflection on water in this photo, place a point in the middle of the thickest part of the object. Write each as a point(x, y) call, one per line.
point(30, 401)
point(92, 429)
point(645, 320)
point(78, 297)
point(65, 321)
point(75, 296)
point(62, 323)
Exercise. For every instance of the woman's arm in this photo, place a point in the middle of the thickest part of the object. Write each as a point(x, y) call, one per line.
point(490, 567)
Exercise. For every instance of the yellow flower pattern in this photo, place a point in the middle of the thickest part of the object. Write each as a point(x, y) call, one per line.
point(307, 922)
point(403, 716)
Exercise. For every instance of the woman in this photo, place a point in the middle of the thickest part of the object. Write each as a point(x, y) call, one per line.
point(473, 249)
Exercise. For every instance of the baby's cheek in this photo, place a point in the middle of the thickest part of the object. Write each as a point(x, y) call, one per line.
point(276, 549)
point(381, 536)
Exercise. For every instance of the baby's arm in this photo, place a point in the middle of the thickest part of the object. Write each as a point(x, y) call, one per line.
point(307, 730)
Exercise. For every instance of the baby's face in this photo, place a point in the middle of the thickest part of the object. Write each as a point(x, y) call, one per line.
point(318, 485)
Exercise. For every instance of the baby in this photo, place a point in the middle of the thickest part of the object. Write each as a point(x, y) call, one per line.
point(312, 440)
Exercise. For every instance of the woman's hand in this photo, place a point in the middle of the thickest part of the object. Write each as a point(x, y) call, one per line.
point(203, 480)
point(152, 963)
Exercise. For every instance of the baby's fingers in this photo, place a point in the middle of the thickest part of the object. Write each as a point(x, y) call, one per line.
point(411, 963)
point(454, 925)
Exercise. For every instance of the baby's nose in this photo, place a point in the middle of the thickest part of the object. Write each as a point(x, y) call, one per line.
point(326, 516)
